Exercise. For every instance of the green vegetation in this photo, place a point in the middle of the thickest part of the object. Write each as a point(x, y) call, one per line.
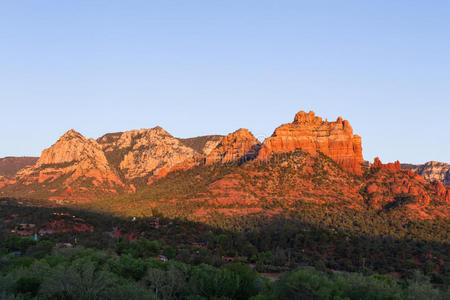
point(129, 271)
point(338, 248)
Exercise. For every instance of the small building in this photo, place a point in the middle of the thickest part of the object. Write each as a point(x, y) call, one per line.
point(63, 245)
point(61, 214)
point(45, 232)
point(229, 259)
point(200, 245)
point(24, 229)
point(162, 258)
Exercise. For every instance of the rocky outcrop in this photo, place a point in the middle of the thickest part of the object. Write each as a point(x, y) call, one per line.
point(388, 186)
point(392, 167)
point(432, 171)
point(72, 155)
point(441, 190)
point(79, 168)
point(9, 166)
point(203, 144)
point(239, 145)
point(73, 148)
point(140, 153)
point(311, 134)
point(73, 168)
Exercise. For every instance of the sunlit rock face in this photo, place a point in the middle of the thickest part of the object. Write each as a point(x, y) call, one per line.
point(388, 185)
point(202, 144)
point(75, 156)
point(434, 170)
point(311, 134)
point(239, 145)
point(140, 153)
point(73, 169)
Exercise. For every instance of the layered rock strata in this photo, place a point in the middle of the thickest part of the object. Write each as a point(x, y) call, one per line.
point(311, 134)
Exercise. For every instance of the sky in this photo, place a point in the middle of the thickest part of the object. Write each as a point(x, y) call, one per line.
point(211, 67)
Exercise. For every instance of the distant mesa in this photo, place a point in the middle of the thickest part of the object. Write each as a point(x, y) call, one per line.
point(311, 134)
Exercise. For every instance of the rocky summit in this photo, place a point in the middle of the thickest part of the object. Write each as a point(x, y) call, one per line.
point(239, 145)
point(74, 167)
point(140, 153)
point(312, 134)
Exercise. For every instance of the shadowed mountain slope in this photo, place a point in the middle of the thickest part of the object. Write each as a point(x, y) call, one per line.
point(9, 166)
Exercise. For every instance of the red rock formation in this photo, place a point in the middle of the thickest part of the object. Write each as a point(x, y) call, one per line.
point(185, 165)
point(441, 190)
point(392, 167)
point(74, 169)
point(311, 134)
point(140, 153)
point(388, 184)
point(240, 144)
point(75, 156)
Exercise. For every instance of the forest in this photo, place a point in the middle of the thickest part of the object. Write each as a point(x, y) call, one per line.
point(162, 258)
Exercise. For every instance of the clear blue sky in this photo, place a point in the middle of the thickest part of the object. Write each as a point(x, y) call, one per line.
point(210, 67)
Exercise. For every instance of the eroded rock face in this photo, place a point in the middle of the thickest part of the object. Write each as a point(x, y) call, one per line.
point(72, 155)
point(441, 190)
point(202, 144)
point(434, 170)
point(72, 167)
point(78, 168)
point(393, 167)
point(140, 153)
point(239, 145)
point(73, 148)
point(388, 186)
point(311, 134)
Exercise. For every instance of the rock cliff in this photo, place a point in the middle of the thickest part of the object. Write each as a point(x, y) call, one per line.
point(432, 171)
point(239, 145)
point(73, 168)
point(73, 155)
point(388, 186)
point(140, 153)
point(311, 134)
point(203, 144)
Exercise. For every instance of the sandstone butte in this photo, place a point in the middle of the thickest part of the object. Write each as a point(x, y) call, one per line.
point(239, 145)
point(311, 134)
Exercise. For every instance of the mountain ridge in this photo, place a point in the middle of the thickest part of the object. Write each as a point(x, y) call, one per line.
point(76, 168)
